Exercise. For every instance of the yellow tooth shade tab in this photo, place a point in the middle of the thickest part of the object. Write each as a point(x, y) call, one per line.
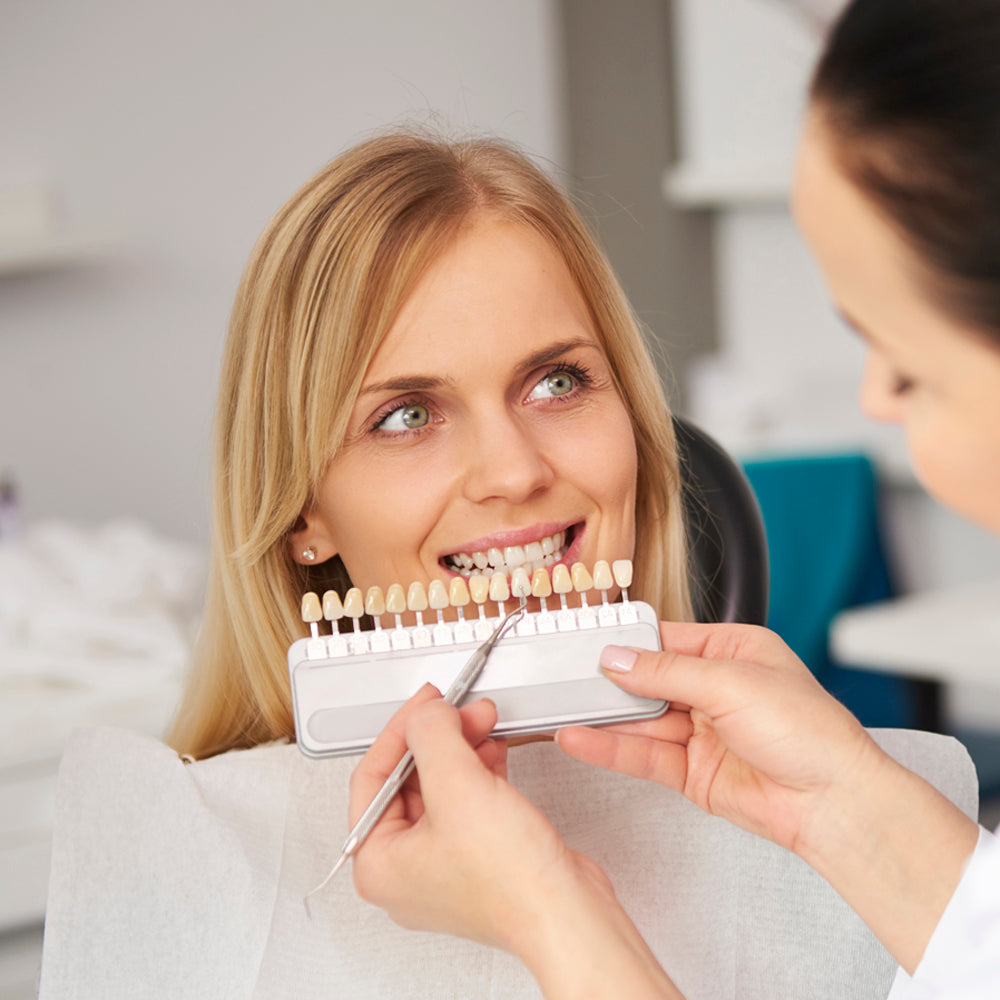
point(603, 580)
point(458, 592)
point(375, 602)
point(395, 599)
point(311, 611)
point(437, 595)
point(499, 587)
point(582, 579)
point(562, 582)
point(479, 588)
point(622, 570)
point(416, 597)
point(354, 603)
point(541, 584)
point(520, 585)
point(332, 608)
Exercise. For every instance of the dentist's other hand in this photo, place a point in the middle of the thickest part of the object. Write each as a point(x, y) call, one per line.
point(750, 734)
point(463, 852)
point(753, 737)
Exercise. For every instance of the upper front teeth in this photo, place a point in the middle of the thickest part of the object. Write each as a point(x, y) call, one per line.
point(543, 553)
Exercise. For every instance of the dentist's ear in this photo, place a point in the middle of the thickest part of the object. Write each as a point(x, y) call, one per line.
point(309, 542)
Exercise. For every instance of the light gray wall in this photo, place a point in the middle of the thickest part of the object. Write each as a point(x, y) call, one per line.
point(179, 128)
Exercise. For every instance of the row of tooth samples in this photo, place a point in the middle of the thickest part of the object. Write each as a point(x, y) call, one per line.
point(497, 589)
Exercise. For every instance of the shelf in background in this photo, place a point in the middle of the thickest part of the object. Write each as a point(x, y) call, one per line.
point(692, 186)
point(26, 254)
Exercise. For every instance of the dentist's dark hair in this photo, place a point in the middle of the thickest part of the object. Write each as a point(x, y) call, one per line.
point(910, 94)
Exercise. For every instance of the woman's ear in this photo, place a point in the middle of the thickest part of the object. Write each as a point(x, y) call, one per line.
point(309, 541)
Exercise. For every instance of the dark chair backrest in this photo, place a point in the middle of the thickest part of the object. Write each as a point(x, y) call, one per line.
point(725, 531)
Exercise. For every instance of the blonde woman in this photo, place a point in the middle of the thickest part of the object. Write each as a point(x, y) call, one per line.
point(321, 292)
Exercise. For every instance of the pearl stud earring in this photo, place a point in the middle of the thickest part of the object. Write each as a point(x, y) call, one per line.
point(309, 554)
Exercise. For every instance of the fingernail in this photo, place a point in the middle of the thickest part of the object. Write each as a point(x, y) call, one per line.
point(620, 659)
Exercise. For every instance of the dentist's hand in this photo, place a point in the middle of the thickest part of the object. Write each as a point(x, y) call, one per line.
point(462, 852)
point(750, 734)
point(753, 737)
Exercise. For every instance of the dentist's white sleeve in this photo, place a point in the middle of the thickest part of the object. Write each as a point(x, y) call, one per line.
point(962, 960)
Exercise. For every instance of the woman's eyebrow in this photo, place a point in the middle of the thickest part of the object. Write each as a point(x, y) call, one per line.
point(557, 350)
point(407, 383)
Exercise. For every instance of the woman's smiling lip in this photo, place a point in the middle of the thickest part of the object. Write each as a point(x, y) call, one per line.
point(519, 538)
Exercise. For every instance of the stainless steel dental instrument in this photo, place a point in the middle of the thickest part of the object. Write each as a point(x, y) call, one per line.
point(458, 689)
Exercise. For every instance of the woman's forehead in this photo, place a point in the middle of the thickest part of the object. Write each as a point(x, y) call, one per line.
point(500, 291)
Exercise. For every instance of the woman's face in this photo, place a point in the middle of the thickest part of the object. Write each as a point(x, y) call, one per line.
point(488, 419)
point(924, 370)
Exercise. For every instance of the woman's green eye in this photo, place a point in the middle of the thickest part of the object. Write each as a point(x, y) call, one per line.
point(556, 384)
point(411, 417)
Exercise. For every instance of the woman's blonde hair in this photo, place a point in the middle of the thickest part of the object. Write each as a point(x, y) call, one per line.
point(319, 293)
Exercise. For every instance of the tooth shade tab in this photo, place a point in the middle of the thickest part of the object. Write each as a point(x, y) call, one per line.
point(562, 582)
point(458, 592)
point(354, 603)
point(311, 611)
point(499, 587)
point(437, 595)
point(520, 585)
point(603, 580)
point(479, 588)
point(332, 608)
point(541, 584)
point(582, 580)
point(395, 599)
point(622, 570)
point(416, 597)
point(375, 602)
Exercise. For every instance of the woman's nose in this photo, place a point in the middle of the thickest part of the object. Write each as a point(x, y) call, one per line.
point(505, 460)
point(878, 396)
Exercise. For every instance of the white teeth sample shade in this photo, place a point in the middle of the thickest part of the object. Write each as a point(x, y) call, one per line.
point(533, 552)
point(541, 584)
point(395, 600)
point(603, 580)
point(513, 556)
point(354, 603)
point(622, 570)
point(495, 557)
point(499, 587)
point(416, 597)
point(375, 602)
point(458, 592)
point(582, 579)
point(332, 608)
point(437, 595)
point(562, 582)
point(311, 611)
point(520, 585)
point(479, 588)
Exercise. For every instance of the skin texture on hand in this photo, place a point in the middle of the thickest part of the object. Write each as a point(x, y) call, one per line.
point(462, 852)
point(751, 736)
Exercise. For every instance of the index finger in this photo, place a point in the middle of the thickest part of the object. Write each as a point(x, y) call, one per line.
point(384, 754)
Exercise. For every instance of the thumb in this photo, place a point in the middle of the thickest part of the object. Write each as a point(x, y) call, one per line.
point(676, 677)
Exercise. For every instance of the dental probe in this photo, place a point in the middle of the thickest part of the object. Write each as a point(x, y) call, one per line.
point(458, 689)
